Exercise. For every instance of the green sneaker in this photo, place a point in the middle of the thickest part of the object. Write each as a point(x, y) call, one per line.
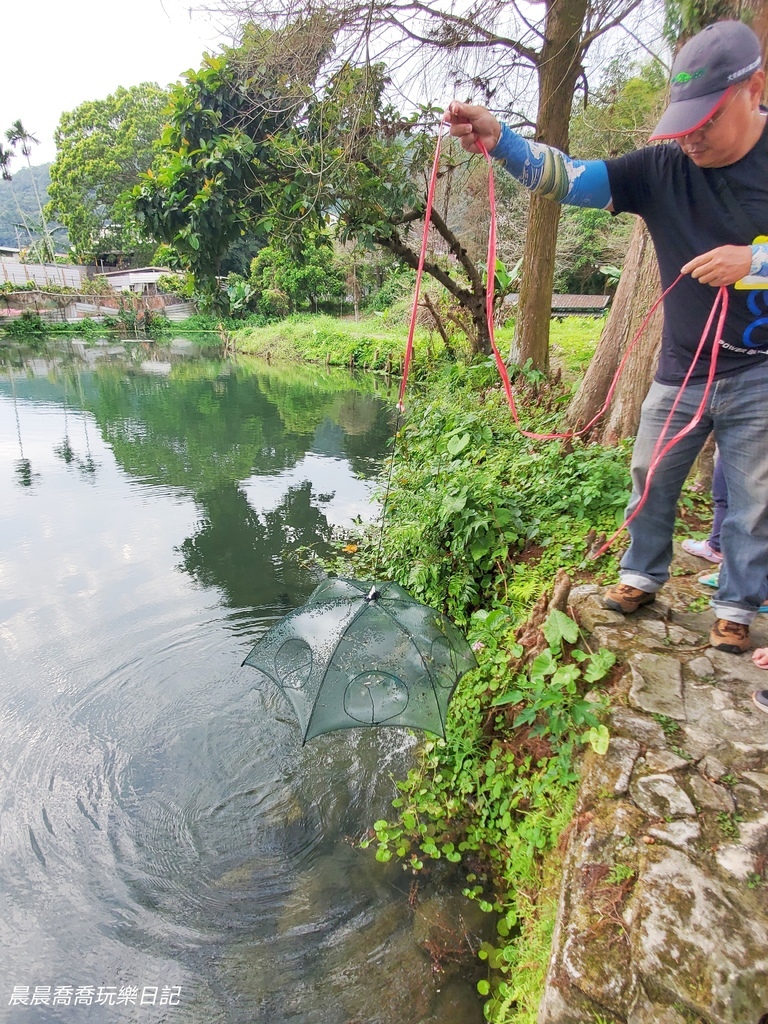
point(710, 579)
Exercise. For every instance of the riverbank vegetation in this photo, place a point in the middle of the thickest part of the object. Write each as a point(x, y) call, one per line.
point(375, 342)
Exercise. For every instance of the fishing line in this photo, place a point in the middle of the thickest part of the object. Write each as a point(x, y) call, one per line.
point(661, 448)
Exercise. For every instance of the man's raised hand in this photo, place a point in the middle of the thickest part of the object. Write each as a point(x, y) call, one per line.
point(472, 125)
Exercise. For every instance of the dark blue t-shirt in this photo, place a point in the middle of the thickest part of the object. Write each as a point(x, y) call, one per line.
point(686, 217)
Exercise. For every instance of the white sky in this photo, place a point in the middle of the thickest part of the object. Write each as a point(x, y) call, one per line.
point(56, 54)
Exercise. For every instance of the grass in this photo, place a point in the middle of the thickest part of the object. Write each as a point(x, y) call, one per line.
point(377, 340)
point(366, 343)
point(573, 341)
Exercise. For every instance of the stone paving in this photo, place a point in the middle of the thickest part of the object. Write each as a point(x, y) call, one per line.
point(663, 915)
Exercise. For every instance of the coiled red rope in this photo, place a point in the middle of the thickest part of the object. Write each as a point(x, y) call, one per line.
point(662, 445)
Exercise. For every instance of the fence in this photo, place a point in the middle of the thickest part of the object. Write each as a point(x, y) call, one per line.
point(55, 307)
point(44, 274)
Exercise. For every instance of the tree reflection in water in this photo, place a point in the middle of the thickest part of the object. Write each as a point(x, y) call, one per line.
point(236, 438)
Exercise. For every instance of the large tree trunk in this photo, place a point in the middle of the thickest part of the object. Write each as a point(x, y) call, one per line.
point(638, 290)
point(559, 69)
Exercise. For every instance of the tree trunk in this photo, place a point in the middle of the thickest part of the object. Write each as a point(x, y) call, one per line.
point(355, 292)
point(534, 311)
point(637, 291)
point(559, 70)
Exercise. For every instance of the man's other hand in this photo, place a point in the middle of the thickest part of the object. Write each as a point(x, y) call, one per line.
point(725, 265)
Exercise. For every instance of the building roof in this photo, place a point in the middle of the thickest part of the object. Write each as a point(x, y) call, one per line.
point(571, 303)
point(136, 270)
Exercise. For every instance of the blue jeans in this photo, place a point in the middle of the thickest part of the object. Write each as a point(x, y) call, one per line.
point(719, 502)
point(737, 412)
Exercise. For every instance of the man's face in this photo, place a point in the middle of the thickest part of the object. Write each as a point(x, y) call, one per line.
point(732, 131)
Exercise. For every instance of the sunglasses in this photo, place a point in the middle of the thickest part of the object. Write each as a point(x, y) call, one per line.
point(715, 119)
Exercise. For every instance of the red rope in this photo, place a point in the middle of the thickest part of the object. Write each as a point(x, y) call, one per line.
point(420, 271)
point(661, 448)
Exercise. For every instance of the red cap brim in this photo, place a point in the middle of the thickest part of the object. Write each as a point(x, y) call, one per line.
point(687, 116)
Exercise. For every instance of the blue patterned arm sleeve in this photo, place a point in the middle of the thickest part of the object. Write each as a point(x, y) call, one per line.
point(552, 174)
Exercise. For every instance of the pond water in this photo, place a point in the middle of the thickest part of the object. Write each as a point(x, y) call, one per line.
point(168, 850)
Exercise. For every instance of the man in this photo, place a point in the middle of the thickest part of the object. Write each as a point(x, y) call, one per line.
point(704, 197)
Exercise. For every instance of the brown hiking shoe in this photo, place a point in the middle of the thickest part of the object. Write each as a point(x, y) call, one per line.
point(626, 599)
point(732, 637)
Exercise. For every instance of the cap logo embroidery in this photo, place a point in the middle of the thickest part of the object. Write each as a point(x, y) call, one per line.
point(683, 78)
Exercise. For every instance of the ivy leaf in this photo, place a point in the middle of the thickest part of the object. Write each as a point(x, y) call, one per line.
point(543, 664)
point(458, 443)
point(559, 627)
point(598, 738)
point(599, 665)
point(513, 697)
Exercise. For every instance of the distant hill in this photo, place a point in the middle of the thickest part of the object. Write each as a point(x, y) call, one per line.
point(21, 191)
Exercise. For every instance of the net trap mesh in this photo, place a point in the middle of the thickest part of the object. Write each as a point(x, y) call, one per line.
point(361, 655)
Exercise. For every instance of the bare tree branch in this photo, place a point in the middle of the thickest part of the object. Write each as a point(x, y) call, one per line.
point(460, 252)
point(396, 245)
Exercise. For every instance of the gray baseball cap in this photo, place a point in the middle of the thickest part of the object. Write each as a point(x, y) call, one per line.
point(703, 74)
